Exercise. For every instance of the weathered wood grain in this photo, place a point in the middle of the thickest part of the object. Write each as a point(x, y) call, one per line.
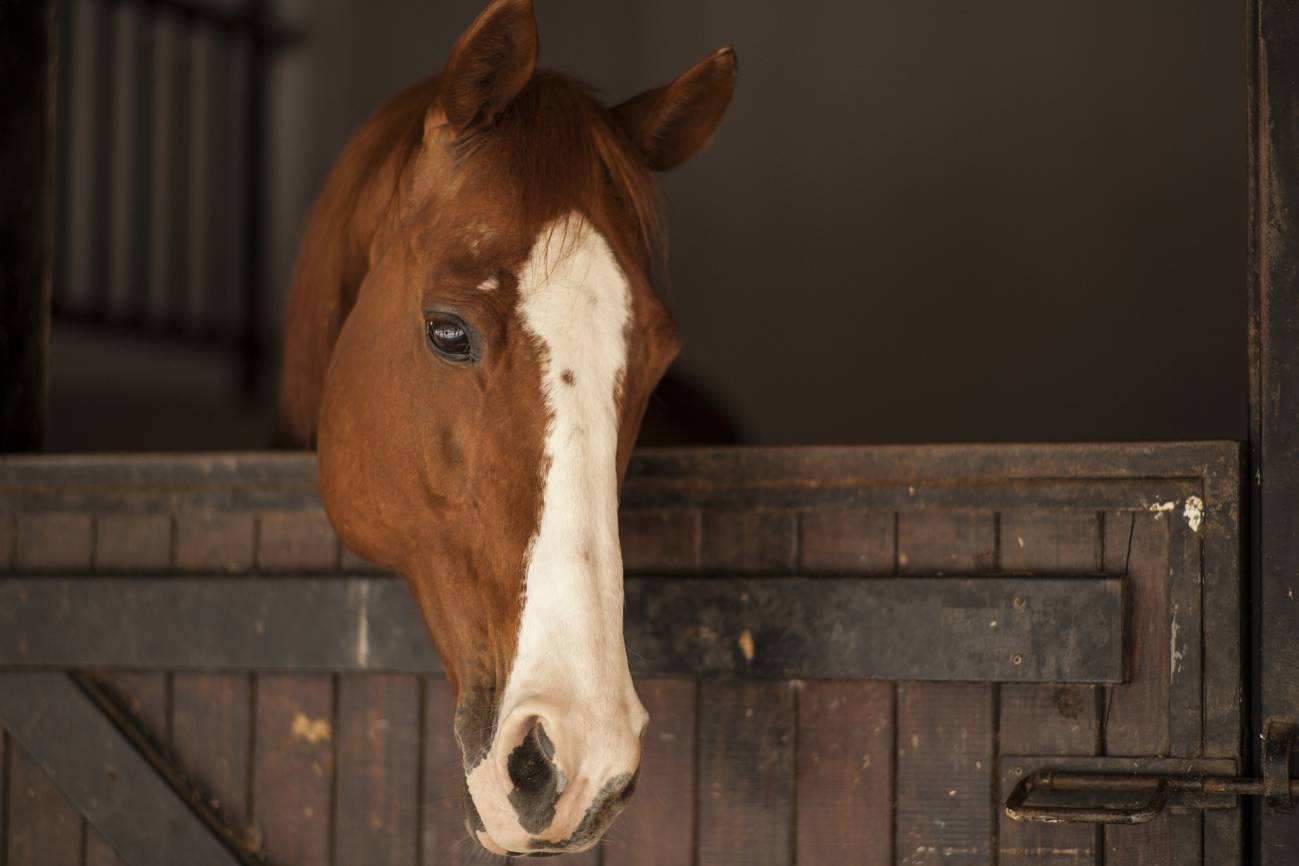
point(658, 827)
point(847, 541)
point(212, 739)
point(1136, 712)
point(294, 768)
point(845, 774)
point(1048, 719)
point(946, 541)
point(44, 828)
point(944, 774)
point(746, 774)
point(1136, 719)
point(377, 798)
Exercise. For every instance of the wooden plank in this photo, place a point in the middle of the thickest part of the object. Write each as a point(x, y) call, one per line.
point(945, 739)
point(293, 770)
point(848, 541)
point(1136, 720)
point(253, 481)
point(1047, 720)
point(1186, 640)
point(946, 542)
point(377, 803)
point(214, 623)
point(845, 774)
point(944, 774)
point(1055, 719)
point(1136, 713)
point(443, 837)
point(746, 774)
point(120, 790)
point(1274, 341)
point(747, 542)
point(658, 827)
point(990, 629)
point(1050, 542)
point(211, 740)
point(659, 542)
point(44, 828)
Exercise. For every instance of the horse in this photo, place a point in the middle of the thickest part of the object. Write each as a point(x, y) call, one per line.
point(472, 335)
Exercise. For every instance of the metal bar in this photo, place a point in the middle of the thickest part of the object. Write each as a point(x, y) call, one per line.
point(1021, 629)
point(133, 800)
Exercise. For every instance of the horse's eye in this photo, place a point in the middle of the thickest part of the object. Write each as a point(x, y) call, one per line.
point(449, 337)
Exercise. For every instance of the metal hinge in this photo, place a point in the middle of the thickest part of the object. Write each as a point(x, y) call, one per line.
point(1280, 791)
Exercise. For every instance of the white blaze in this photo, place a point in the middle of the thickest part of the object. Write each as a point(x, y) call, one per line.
point(571, 663)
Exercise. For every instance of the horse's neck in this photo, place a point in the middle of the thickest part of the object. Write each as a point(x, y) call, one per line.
point(333, 258)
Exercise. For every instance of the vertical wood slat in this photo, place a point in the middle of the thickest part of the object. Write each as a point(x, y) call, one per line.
point(443, 838)
point(1185, 649)
point(211, 738)
point(658, 827)
point(746, 774)
point(44, 828)
point(1137, 716)
point(376, 805)
point(293, 769)
point(945, 739)
point(944, 774)
point(1136, 712)
point(1047, 719)
point(844, 774)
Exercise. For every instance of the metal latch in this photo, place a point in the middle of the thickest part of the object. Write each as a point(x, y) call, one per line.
point(1280, 791)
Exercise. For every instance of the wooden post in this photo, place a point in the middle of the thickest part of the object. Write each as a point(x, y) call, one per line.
point(28, 54)
point(1274, 384)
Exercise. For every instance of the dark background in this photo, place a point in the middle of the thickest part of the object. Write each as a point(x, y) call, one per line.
point(920, 221)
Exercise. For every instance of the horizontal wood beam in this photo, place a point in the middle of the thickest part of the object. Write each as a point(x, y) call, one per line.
point(996, 629)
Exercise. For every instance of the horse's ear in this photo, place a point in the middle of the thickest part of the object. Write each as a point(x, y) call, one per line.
point(490, 64)
point(673, 123)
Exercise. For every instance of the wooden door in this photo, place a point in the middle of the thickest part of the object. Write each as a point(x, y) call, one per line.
point(780, 732)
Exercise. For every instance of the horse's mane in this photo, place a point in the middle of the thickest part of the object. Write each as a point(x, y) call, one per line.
point(555, 144)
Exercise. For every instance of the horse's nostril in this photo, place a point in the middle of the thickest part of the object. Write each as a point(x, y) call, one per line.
point(531, 764)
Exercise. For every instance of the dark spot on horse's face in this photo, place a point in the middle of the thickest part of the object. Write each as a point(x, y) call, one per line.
point(475, 726)
point(450, 448)
point(568, 377)
point(536, 780)
point(606, 806)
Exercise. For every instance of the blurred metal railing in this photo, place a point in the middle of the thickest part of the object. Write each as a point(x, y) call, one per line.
point(159, 196)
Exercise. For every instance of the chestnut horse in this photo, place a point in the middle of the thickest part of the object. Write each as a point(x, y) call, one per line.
point(471, 339)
